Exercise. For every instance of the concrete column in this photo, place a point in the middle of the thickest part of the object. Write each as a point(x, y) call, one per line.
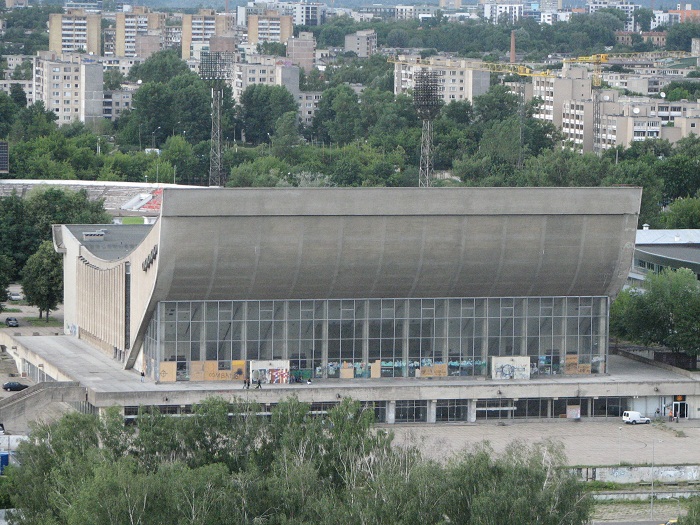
point(244, 332)
point(549, 409)
point(602, 338)
point(391, 412)
point(472, 411)
point(432, 411)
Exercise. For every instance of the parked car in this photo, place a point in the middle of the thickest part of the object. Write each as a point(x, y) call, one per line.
point(14, 386)
point(632, 417)
point(16, 296)
point(11, 321)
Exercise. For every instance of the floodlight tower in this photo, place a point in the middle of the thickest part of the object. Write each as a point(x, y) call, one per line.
point(216, 67)
point(427, 101)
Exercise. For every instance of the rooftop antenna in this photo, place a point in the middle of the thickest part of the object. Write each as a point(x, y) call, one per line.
point(216, 67)
point(427, 101)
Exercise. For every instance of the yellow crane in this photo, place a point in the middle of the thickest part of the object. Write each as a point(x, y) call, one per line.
point(598, 60)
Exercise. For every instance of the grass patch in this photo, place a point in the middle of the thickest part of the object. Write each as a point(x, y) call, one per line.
point(35, 321)
point(11, 310)
point(132, 220)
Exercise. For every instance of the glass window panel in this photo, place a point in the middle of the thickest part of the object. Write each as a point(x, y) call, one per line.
point(183, 312)
point(196, 331)
point(253, 310)
point(196, 312)
point(293, 329)
point(212, 330)
point(333, 330)
point(293, 309)
point(333, 309)
point(253, 330)
point(211, 349)
point(194, 351)
point(479, 307)
point(236, 330)
point(237, 311)
point(225, 308)
point(375, 309)
point(359, 309)
point(307, 329)
point(414, 308)
point(236, 351)
point(212, 311)
point(225, 331)
point(265, 330)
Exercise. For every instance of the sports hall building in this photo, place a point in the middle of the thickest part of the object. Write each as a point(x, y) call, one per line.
point(434, 304)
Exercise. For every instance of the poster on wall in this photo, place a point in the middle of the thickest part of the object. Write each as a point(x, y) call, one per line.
point(274, 372)
point(510, 367)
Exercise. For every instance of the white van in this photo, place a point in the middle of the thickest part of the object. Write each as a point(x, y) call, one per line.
point(632, 417)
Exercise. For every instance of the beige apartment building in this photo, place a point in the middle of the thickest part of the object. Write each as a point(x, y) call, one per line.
point(135, 25)
point(302, 50)
point(458, 79)
point(69, 85)
point(198, 29)
point(75, 31)
point(362, 43)
point(269, 27)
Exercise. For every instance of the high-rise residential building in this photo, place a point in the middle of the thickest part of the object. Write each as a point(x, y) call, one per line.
point(301, 50)
point(136, 23)
point(269, 27)
point(75, 31)
point(622, 5)
point(70, 85)
point(457, 79)
point(362, 43)
point(553, 91)
point(198, 29)
point(497, 12)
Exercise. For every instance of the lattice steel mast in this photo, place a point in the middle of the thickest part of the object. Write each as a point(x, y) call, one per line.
point(216, 67)
point(427, 101)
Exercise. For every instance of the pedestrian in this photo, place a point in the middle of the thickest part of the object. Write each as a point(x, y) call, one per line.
point(245, 383)
point(143, 376)
point(670, 415)
point(657, 413)
point(308, 381)
point(259, 384)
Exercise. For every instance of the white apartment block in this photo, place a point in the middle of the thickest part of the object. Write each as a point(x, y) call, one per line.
point(623, 5)
point(302, 13)
point(362, 43)
point(70, 86)
point(457, 79)
point(75, 31)
point(496, 13)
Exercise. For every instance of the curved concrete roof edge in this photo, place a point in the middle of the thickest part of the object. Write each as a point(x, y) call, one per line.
point(400, 201)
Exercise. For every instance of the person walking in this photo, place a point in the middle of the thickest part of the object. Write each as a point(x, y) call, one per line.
point(143, 376)
point(259, 384)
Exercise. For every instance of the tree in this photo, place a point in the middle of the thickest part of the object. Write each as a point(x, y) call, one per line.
point(159, 67)
point(682, 214)
point(18, 96)
point(42, 279)
point(6, 274)
point(666, 313)
point(260, 108)
point(113, 79)
point(643, 18)
point(8, 111)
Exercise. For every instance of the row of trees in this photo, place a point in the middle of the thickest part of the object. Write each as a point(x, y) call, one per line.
point(26, 250)
point(666, 312)
point(223, 465)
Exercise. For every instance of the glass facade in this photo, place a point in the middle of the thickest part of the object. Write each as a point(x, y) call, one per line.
point(561, 335)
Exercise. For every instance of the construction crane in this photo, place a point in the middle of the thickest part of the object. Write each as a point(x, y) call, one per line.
point(597, 61)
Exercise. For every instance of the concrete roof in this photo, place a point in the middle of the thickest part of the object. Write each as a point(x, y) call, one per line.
point(679, 254)
point(676, 237)
point(118, 240)
point(223, 244)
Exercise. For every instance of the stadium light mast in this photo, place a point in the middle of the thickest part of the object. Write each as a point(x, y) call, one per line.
point(216, 67)
point(427, 101)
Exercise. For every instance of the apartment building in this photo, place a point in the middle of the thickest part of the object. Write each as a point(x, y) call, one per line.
point(70, 86)
point(496, 13)
point(139, 23)
point(198, 29)
point(554, 91)
point(302, 50)
point(627, 7)
point(75, 31)
point(415, 12)
point(269, 27)
point(115, 103)
point(457, 79)
point(362, 43)
point(26, 85)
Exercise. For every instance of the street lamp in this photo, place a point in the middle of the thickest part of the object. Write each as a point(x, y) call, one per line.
point(153, 138)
